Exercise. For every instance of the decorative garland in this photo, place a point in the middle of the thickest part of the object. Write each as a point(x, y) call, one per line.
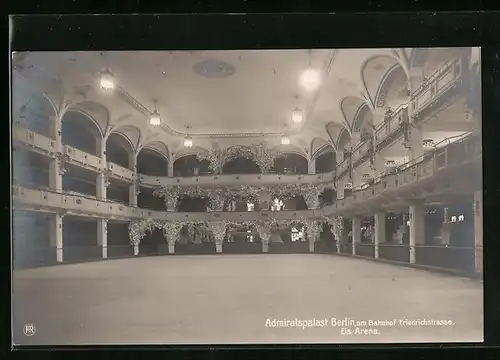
point(336, 226)
point(265, 157)
point(213, 156)
point(238, 151)
point(218, 229)
point(171, 231)
point(138, 229)
point(313, 230)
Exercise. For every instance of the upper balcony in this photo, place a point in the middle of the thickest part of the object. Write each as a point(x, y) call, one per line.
point(426, 175)
point(78, 204)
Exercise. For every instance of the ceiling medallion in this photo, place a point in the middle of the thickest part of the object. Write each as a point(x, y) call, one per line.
point(214, 69)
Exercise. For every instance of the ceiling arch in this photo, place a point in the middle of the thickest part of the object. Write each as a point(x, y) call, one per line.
point(362, 119)
point(131, 133)
point(333, 130)
point(318, 145)
point(350, 107)
point(187, 152)
point(120, 140)
point(97, 112)
point(343, 139)
point(291, 149)
point(158, 146)
point(27, 100)
point(375, 72)
point(81, 117)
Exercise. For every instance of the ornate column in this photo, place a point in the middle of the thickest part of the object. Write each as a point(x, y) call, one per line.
point(56, 235)
point(134, 187)
point(101, 186)
point(264, 230)
point(311, 197)
point(171, 198)
point(171, 232)
point(135, 234)
point(102, 236)
point(417, 227)
point(312, 230)
point(218, 229)
point(56, 169)
point(217, 201)
point(170, 168)
point(356, 232)
point(311, 166)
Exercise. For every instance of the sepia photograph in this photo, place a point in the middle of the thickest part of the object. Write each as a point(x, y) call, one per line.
point(310, 196)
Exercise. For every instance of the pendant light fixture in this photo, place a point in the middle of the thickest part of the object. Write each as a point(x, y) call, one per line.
point(188, 140)
point(155, 118)
point(310, 78)
point(107, 80)
point(297, 115)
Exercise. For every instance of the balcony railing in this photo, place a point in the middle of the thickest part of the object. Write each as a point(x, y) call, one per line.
point(447, 76)
point(73, 204)
point(456, 151)
point(83, 158)
point(33, 139)
point(120, 172)
point(248, 179)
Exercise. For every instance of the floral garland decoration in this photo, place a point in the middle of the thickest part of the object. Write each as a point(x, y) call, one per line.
point(264, 230)
point(171, 231)
point(238, 151)
point(171, 195)
point(309, 192)
point(336, 226)
point(213, 156)
point(265, 157)
point(218, 229)
point(138, 229)
point(313, 230)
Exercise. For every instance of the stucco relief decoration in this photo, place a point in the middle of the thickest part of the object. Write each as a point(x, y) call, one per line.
point(171, 231)
point(218, 229)
point(138, 229)
point(213, 156)
point(265, 157)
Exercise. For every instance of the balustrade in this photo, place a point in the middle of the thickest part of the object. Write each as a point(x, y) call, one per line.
point(83, 158)
point(120, 172)
point(33, 139)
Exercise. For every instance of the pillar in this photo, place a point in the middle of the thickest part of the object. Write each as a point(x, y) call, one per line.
point(416, 142)
point(357, 174)
point(478, 231)
point(133, 188)
point(170, 169)
point(311, 166)
point(132, 194)
point(312, 240)
point(102, 236)
point(340, 188)
point(339, 156)
point(101, 186)
point(171, 248)
point(356, 232)
point(56, 235)
point(379, 164)
point(380, 232)
point(417, 227)
point(136, 250)
point(55, 174)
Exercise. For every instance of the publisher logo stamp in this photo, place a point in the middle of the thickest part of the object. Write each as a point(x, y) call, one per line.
point(29, 329)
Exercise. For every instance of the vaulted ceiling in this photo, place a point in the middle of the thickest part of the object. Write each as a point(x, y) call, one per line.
point(224, 98)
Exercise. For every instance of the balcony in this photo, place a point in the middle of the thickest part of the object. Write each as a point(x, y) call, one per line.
point(83, 159)
point(79, 204)
point(119, 172)
point(465, 150)
point(439, 86)
point(246, 179)
point(33, 140)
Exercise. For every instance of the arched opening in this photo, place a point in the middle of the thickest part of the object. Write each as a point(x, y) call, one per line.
point(241, 166)
point(119, 150)
point(242, 239)
point(326, 162)
point(80, 132)
point(151, 162)
point(147, 200)
point(152, 242)
point(189, 165)
point(289, 238)
point(30, 108)
point(195, 239)
point(290, 164)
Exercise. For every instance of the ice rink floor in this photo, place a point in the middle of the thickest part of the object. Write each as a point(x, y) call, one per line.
point(228, 299)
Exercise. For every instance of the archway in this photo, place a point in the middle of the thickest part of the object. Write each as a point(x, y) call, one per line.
point(30, 108)
point(289, 163)
point(241, 166)
point(152, 242)
point(151, 162)
point(189, 165)
point(326, 161)
point(81, 132)
point(119, 150)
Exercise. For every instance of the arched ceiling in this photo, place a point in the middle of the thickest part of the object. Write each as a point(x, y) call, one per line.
point(227, 97)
